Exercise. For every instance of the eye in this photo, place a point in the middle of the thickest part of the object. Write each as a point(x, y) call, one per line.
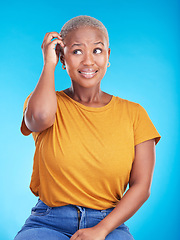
point(97, 50)
point(77, 51)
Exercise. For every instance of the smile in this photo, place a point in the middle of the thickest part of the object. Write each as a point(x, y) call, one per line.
point(88, 74)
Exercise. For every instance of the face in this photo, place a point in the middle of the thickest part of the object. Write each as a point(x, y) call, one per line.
point(86, 55)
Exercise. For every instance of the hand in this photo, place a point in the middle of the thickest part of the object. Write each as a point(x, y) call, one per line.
point(89, 234)
point(51, 48)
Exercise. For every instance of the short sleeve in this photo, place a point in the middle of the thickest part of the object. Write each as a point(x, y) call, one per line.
point(34, 134)
point(144, 129)
point(25, 103)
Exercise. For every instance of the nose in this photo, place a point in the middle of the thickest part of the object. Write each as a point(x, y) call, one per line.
point(88, 59)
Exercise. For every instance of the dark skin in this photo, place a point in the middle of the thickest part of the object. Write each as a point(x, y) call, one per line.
point(86, 51)
point(86, 54)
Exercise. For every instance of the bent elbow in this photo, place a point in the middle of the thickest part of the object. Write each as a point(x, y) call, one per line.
point(147, 194)
point(39, 121)
point(41, 116)
point(43, 119)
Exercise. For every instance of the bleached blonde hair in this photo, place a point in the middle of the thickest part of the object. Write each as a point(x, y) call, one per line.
point(83, 21)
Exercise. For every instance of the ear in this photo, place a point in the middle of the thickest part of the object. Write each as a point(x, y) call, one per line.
point(62, 55)
point(62, 59)
point(109, 51)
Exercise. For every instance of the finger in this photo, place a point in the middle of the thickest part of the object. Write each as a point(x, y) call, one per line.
point(49, 36)
point(74, 236)
point(78, 238)
point(60, 35)
point(61, 44)
point(53, 43)
point(52, 35)
point(56, 41)
point(45, 37)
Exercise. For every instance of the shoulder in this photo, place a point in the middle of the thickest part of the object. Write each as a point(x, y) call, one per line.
point(132, 106)
point(61, 96)
point(59, 93)
point(132, 110)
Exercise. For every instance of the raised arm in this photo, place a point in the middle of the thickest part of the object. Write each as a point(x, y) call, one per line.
point(138, 193)
point(41, 108)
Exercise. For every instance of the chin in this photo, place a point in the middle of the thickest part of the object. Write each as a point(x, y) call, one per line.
point(87, 83)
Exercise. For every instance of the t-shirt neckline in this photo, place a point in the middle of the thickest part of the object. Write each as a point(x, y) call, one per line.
point(92, 109)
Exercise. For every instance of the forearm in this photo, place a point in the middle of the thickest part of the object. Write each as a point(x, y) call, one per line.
point(125, 209)
point(42, 104)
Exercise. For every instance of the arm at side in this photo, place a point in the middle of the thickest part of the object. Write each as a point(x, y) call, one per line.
point(139, 188)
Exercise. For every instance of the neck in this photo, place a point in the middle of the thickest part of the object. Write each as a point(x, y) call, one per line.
point(86, 95)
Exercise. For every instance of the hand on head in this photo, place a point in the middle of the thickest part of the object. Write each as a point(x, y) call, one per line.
point(51, 47)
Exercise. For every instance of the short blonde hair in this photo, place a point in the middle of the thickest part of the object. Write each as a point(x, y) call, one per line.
point(83, 21)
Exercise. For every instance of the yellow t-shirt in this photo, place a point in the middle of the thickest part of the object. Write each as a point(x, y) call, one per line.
point(85, 158)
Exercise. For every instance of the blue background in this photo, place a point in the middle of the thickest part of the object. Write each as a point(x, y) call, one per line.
point(144, 37)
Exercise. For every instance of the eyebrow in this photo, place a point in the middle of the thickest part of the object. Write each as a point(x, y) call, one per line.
point(99, 43)
point(80, 44)
point(76, 44)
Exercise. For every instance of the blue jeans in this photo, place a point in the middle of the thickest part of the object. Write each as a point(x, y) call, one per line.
point(60, 223)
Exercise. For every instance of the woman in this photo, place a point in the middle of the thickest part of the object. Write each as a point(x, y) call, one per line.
point(89, 144)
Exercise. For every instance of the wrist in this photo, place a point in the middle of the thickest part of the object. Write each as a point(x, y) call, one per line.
point(102, 230)
point(50, 65)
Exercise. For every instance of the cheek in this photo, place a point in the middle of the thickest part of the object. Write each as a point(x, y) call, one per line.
point(71, 66)
point(71, 61)
point(102, 60)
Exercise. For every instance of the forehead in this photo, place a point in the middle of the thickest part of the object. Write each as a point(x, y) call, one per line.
point(85, 35)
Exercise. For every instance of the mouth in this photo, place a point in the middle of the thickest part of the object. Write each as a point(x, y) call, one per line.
point(89, 73)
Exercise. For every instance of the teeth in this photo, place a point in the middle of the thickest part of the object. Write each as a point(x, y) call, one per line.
point(88, 73)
